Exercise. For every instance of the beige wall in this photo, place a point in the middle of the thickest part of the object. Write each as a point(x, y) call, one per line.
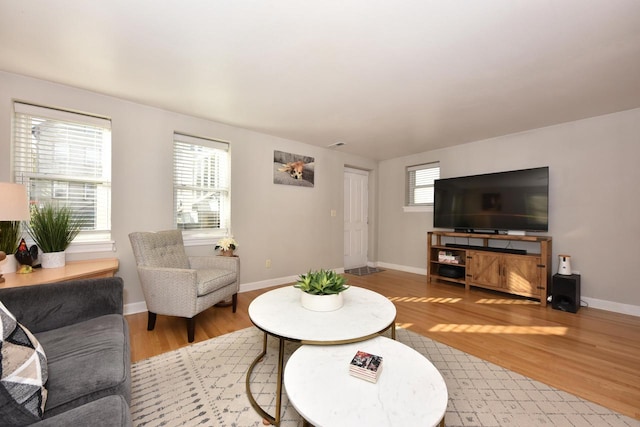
point(594, 196)
point(291, 226)
point(594, 199)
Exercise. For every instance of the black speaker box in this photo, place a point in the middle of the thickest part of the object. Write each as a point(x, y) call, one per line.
point(451, 271)
point(565, 292)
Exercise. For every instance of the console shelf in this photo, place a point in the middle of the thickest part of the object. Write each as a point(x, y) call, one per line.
point(516, 272)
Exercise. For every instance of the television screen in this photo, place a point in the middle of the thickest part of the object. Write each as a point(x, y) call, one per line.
point(514, 200)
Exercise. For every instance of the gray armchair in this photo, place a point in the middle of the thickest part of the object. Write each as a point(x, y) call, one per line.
point(177, 285)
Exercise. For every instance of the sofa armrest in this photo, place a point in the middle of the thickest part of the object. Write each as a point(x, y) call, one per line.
point(50, 306)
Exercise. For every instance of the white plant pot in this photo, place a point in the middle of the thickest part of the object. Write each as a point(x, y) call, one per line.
point(53, 259)
point(9, 264)
point(322, 302)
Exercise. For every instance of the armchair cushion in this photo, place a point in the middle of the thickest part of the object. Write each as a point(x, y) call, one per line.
point(23, 372)
point(212, 280)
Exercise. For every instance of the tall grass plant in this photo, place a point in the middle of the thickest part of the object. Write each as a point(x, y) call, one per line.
point(52, 227)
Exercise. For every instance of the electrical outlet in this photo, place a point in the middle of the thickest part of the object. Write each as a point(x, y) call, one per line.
point(267, 263)
point(333, 212)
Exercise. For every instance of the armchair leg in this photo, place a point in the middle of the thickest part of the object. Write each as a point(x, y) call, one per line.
point(234, 304)
point(151, 321)
point(191, 328)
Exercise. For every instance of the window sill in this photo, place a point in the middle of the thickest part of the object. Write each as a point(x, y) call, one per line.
point(87, 247)
point(418, 209)
point(200, 239)
point(83, 246)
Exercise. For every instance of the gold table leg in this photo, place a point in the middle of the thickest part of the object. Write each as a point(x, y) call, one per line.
point(275, 420)
point(268, 418)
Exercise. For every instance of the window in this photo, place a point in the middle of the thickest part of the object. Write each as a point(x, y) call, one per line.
point(201, 185)
point(64, 158)
point(420, 180)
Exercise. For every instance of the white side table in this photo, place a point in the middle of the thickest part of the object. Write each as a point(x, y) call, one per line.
point(410, 390)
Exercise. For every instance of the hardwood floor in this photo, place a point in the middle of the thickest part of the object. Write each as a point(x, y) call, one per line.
point(594, 354)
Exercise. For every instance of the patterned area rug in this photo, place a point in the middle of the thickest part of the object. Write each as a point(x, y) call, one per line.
point(204, 385)
point(363, 271)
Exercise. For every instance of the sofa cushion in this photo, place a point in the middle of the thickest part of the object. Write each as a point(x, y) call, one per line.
point(23, 373)
point(110, 411)
point(212, 279)
point(87, 361)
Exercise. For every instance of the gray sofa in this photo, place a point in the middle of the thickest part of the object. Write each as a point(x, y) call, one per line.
point(82, 330)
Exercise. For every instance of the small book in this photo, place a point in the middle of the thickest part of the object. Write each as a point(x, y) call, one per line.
point(366, 366)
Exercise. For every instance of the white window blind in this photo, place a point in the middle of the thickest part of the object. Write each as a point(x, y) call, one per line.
point(420, 181)
point(64, 158)
point(201, 184)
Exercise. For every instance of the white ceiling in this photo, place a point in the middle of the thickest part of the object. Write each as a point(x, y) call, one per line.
point(387, 77)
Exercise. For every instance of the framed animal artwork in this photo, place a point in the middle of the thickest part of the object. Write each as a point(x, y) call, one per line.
point(293, 169)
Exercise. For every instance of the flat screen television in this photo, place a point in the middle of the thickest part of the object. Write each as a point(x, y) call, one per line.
point(503, 201)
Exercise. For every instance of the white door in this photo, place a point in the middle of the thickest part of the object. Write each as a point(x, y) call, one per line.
point(356, 235)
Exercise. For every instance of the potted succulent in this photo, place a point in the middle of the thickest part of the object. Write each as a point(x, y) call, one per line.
point(226, 246)
point(322, 290)
point(53, 228)
point(9, 240)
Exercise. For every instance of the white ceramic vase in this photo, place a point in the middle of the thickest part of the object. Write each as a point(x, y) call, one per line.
point(53, 259)
point(322, 302)
point(9, 264)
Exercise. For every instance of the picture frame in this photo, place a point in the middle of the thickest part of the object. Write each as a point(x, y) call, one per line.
point(293, 169)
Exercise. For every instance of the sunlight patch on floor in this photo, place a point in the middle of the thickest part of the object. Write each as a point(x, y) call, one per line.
point(500, 329)
point(403, 325)
point(426, 299)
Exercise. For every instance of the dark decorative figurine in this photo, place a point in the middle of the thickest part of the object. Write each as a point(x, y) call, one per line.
point(26, 256)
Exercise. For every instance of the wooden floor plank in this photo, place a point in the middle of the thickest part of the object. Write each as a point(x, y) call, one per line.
point(594, 354)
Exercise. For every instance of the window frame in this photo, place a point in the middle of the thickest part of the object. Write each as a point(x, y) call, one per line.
point(410, 187)
point(98, 240)
point(203, 236)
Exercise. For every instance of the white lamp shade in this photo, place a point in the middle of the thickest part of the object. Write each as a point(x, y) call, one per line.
point(14, 204)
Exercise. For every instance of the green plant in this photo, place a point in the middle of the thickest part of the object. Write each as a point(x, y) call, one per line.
point(321, 282)
point(9, 236)
point(53, 228)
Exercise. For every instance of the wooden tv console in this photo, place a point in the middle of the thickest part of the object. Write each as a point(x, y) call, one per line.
point(480, 264)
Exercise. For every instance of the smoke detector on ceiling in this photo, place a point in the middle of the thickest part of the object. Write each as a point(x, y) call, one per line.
point(336, 144)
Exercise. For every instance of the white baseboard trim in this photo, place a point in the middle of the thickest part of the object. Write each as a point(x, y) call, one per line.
point(275, 282)
point(616, 307)
point(135, 307)
point(613, 306)
point(253, 286)
point(415, 270)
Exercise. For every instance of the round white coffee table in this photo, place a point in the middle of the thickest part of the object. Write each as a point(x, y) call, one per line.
point(410, 391)
point(279, 313)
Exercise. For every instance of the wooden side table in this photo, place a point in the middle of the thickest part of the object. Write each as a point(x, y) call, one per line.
point(71, 271)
